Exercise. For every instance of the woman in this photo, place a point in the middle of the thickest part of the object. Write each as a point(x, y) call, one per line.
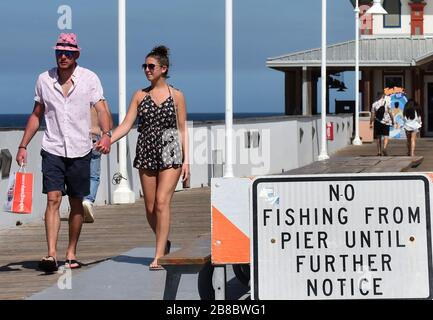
point(162, 149)
point(382, 118)
point(412, 124)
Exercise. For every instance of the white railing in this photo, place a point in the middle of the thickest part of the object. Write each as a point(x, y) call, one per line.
point(260, 146)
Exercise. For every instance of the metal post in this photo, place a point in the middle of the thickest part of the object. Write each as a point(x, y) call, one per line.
point(219, 282)
point(228, 168)
point(123, 192)
point(305, 101)
point(323, 151)
point(357, 141)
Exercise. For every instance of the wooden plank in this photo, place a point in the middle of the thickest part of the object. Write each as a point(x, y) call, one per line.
point(357, 164)
point(314, 168)
point(197, 251)
point(363, 162)
point(344, 169)
point(395, 164)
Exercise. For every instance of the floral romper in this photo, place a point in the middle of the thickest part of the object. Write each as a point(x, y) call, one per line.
point(158, 144)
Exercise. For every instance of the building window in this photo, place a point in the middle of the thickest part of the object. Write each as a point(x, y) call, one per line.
point(393, 80)
point(393, 18)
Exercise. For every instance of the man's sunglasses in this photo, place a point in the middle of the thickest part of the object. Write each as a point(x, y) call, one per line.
point(151, 66)
point(68, 54)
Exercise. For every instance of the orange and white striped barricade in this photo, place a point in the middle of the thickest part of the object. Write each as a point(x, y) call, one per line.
point(230, 229)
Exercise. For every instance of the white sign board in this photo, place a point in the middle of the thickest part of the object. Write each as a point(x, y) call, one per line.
point(341, 237)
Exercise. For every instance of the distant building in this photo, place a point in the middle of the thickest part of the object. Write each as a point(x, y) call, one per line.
point(395, 50)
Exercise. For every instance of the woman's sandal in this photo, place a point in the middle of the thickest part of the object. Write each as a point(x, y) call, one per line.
point(156, 267)
point(48, 264)
point(72, 264)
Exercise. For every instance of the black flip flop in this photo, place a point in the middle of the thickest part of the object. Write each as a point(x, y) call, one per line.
point(48, 265)
point(156, 268)
point(167, 247)
point(73, 261)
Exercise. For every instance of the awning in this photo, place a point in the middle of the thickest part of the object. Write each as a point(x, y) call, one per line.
point(374, 52)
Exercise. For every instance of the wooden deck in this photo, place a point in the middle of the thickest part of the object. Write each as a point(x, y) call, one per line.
point(359, 164)
point(396, 148)
point(119, 228)
point(116, 229)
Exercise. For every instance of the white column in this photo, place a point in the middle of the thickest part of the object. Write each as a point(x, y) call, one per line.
point(357, 141)
point(219, 282)
point(305, 101)
point(123, 192)
point(228, 168)
point(323, 150)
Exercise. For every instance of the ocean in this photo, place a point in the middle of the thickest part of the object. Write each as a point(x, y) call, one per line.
point(20, 120)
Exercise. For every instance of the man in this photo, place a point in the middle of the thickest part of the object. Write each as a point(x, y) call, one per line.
point(95, 166)
point(380, 120)
point(64, 96)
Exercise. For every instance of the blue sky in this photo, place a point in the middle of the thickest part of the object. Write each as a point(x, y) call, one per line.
point(192, 29)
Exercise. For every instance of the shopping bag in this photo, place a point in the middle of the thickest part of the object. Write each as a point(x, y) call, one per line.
point(10, 194)
point(20, 192)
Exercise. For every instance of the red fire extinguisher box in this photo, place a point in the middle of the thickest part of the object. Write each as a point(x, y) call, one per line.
point(330, 131)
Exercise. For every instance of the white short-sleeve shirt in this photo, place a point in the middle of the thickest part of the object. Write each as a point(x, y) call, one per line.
point(68, 118)
point(383, 102)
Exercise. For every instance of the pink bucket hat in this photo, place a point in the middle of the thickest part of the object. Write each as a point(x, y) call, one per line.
point(67, 41)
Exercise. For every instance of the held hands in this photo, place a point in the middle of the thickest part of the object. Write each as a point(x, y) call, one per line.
point(103, 145)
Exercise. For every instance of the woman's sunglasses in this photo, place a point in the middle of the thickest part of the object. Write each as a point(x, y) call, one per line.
point(68, 54)
point(151, 66)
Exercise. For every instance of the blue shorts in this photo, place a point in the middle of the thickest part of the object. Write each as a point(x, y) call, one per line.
point(71, 176)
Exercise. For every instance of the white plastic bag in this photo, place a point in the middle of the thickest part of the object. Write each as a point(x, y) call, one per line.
point(10, 192)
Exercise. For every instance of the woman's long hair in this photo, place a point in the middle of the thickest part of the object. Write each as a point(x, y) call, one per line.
point(409, 109)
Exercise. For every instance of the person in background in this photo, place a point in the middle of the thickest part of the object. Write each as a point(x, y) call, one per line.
point(64, 96)
point(95, 165)
point(162, 145)
point(381, 119)
point(412, 124)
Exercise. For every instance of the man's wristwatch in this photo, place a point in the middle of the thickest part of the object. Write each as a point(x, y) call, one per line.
point(108, 133)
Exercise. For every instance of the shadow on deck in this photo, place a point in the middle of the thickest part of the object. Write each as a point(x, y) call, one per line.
point(117, 229)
